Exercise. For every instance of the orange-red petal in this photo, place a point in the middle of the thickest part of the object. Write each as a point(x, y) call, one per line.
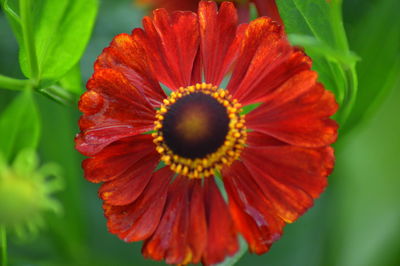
point(127, 56)
point(117, 157)
point(112, 109)
point(296, 62)
point(222, 236)
point(170, 240)
point(264, 47)
point(297, 113)
point(171, 41)
point(129, 185)
point(296, 171)
point(219, 41)
point(138, 220)
point(197, 237)
point(252, 210)
point(268, 8)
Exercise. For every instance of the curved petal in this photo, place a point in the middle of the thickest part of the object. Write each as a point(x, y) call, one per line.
point(294, 172)
point(263, 49)
point(253, 212)
point(117, 157)
point(219, 41)
point(128, 186)
point(297, 113)
point(258, 139)
point(268, 8)
point(172, 5)
point(112, 109)
point(222, 236)
point(297, 62)
point(197, 238)
point(170, 240)
point(128, 57)
point(171, 42)
point(138, 220)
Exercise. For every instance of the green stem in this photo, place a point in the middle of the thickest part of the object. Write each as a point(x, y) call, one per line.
point(28, 38)
point(12, 83)
point(60, 95)
point(3, 236)
point(11, 12)
point(351, 94)
point(338, 26)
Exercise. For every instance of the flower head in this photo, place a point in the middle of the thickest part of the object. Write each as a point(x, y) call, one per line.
point(264, 7)
point(26, 192)
point(159, 154)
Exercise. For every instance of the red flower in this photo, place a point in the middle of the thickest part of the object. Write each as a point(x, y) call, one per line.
point(264, 7)
point(273, 161)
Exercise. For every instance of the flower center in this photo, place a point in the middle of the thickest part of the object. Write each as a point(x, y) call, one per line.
point(198, 130)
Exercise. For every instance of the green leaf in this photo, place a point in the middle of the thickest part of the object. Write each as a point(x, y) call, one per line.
point(375, 36)
point(72, 81)
point(318, 27)
point(19, 125)
point(61, 32)
point(320, 48)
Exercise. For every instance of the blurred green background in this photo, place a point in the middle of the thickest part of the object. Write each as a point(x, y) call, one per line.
point(355, 223)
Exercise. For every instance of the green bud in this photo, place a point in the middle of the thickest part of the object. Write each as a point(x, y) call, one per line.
point(26, 193)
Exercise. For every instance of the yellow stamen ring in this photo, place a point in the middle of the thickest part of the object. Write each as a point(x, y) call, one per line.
point(227, 153)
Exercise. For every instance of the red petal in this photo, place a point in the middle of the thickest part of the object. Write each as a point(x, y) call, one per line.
point(197, 237)
point(172, 5)
point(127, 187)
point(116, 158)
point(263, 49)
point(297, 113)
point(170, 241)
point(253, 213)
point(295, 63)
point(171, 42)
point(219, 42)
point(138, 220)
point(257, 139)
point(298, 172)
point(128, 57)
point(222, 237)
point(112, 109)
point(268, 8)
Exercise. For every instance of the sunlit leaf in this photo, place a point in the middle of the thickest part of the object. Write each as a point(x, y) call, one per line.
point(62, 30)
point(72, 81)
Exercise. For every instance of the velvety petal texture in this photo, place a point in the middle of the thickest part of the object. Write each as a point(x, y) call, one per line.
point(264, 7)
point(282, 168)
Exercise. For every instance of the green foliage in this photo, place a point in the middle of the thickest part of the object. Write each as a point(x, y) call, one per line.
point(375, 35)
point(19, 125)
point(62, 30)
point(317, 26)
point(52, 37)
point(72, 81)
point(26, 192)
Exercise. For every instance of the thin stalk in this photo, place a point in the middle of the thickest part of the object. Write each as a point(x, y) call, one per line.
point(28, 37)
point(12, 83)
point(60, 95)
point(11, 12)
point(3, 236)
point(351, 94)
point(338, 26)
